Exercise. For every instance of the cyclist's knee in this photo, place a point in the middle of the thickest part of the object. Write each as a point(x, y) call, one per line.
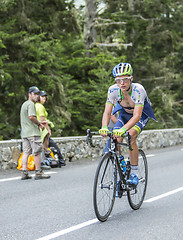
point(120, 139)
point(134, 135)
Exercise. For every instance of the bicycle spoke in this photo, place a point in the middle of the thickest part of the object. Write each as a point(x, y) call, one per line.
point(136, 196)
point(104, 188)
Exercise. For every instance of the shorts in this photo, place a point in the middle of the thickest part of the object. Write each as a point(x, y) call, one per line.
point(32, 145)
point(124, 117)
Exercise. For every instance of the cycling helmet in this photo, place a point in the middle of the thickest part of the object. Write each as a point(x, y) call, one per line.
point(122, 69)
point(42, 93)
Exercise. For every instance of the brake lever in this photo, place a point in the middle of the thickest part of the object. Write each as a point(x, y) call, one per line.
point(89, 138)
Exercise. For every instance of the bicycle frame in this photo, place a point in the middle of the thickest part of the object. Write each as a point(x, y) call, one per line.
point(113, 150)
point(107, 186)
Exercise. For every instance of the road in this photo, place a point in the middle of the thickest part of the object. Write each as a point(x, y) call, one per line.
point(62, 207)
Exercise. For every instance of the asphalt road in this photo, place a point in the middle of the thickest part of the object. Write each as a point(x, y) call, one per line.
point(62, 207)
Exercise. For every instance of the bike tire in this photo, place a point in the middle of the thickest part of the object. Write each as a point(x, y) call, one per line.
point(104, 189)
point(136, 195)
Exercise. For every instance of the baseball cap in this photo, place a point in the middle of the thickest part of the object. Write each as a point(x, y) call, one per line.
point(34, 89)
point(42, 93)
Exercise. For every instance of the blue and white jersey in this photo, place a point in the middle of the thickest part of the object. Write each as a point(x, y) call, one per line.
point(113, 94)
point(137, 94)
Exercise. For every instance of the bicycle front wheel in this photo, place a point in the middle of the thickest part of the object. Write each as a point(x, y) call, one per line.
point(104, 187)
point(136, 195)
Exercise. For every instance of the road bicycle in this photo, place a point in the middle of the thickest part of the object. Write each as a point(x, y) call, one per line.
point(110, 179)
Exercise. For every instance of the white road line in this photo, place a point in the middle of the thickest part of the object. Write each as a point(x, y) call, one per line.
point(164, 195)
point(68, 230)
point(17, 178)
point(150, 155)
point(93, 221)
point(90, 222)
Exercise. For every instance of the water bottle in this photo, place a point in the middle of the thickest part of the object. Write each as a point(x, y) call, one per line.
point(128, 162)
point(123, 163)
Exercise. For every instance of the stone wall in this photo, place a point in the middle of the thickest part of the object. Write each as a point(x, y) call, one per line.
point(75, 148)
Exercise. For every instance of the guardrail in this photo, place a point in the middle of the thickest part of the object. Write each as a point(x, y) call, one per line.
point(75, 148)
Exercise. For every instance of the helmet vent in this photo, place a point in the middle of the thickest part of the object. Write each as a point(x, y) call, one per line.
point(122, 69)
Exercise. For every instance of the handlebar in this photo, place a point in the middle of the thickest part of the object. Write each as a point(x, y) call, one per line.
point(109, 134)
point(89, 137)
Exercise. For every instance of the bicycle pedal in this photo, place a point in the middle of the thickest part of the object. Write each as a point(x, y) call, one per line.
point(131, 187)
point(120, 194)
point(119, 190)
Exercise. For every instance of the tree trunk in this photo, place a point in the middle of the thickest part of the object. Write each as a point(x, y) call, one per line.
point(90, 31)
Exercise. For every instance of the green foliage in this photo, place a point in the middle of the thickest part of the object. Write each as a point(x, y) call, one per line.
point(42, 44)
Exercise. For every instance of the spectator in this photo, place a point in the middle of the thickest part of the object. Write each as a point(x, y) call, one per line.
point(46, 133)
point(31, 135)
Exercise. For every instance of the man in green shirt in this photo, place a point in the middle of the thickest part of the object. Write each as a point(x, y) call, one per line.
point(31, 137)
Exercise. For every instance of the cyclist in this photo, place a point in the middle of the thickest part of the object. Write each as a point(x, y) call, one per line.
point(135, 112)
point(111, 125)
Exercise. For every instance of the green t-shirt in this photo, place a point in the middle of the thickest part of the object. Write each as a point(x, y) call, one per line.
point(29, 129)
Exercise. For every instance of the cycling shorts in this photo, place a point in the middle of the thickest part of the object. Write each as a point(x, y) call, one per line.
point(124, 117)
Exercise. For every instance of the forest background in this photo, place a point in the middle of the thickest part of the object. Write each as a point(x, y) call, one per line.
point(70, 52)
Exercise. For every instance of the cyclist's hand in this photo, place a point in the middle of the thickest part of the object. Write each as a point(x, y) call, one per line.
point(103, 131)
point(119, 132)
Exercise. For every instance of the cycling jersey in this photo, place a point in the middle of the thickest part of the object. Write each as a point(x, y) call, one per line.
point(113, 94)
point(137, 94)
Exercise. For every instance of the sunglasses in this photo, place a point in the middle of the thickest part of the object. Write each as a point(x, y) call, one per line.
point(125, 80)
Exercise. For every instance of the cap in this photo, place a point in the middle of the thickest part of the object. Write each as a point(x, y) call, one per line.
point(34, 89)
point(42, 93)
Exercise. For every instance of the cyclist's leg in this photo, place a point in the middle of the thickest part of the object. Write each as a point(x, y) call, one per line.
point(134, 132)
point(107, 146)
point(122, 120)
point(134, 155)
point(136, 195)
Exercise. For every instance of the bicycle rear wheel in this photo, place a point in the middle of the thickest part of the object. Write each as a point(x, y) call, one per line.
point(104, 190)
point(136, 195)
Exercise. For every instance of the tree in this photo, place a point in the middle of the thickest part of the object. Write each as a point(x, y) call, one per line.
point(31, 50)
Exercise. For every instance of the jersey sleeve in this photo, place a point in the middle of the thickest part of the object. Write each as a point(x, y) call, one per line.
point(140, 95)
point(112, 95)
point(31, 109)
